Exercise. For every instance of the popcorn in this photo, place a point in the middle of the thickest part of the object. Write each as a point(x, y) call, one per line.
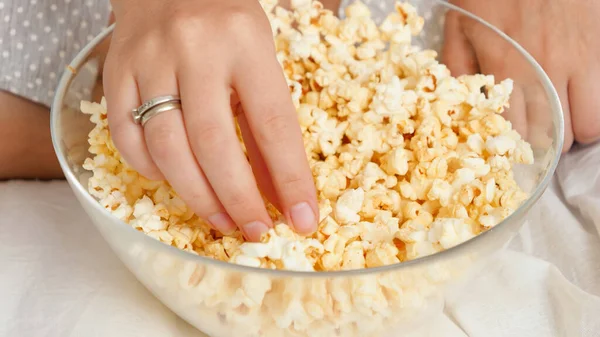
point(477, 165)
point(118, 206)
point(281, 245)
point(492, 218)
point(523, 154)
point(373, 175)
point(440, 190)
point(476, 143)
point(382, 255)
point(450, 232)
point(500, 145)
point(144, 217)
point(463, 176)
point(407, 161)
point(392, 100)
point(353, 257)
point(396, 161)
point(348, 205)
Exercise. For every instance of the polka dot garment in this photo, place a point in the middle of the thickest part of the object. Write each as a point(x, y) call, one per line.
point(39, 37)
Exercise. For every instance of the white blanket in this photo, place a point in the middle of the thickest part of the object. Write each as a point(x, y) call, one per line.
point(59, 279)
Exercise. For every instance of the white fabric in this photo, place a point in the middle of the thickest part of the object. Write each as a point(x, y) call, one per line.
point(59, 279)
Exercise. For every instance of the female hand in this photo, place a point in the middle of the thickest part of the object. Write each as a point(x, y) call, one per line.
point(210, 53)
point(561, 35)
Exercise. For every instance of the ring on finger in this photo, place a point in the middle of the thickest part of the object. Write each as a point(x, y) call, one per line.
point(140, 111)
point(158, 110)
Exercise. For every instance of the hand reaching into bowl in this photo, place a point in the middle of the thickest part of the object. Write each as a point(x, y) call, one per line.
point(561, 35)
point(218, 58)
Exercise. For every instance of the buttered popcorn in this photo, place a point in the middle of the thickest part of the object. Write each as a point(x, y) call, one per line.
point(407, 160)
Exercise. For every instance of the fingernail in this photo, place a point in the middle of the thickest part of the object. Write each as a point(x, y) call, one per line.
point(303, 218)
point(254, 230)
point(223, 223)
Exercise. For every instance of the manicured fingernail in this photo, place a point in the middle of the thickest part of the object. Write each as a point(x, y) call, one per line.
point(223, 223)
point(303, 218)
point(254, 230)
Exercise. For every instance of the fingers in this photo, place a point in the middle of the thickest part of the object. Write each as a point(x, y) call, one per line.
point(529, 109)
point(484, 45)
point(539, 110)
point(562, 89)
point(518, 111)
point(169, 147)
point(539, 115)
point(122, 96)
point(457, 52)
point(259, 167)
point(585, 106)
point(274, 125)
point(513, 67)
point(212, 135)
point(464, 54)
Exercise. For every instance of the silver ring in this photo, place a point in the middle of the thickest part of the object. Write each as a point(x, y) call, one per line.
point(139, 112)
point(158, 109)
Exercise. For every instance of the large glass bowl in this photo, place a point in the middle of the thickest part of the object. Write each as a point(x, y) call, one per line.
point(223, 299)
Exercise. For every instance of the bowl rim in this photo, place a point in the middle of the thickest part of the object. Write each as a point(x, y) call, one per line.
point(558, 141)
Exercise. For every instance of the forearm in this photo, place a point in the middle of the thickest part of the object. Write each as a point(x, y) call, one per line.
point(26, 150)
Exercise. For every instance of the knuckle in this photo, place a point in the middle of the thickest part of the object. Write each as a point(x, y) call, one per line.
point(161, 139)
point(203, 204)
point(245, 25)
point(208, 137)
point(293, 182)
point(275, 128)
point(186, 28)
point(237, 199)
point(239, 19)
point(148, 43)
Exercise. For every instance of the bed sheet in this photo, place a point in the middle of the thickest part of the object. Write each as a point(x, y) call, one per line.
point(58, 278)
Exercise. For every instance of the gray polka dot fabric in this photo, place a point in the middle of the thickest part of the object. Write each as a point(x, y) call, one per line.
point(38, 38)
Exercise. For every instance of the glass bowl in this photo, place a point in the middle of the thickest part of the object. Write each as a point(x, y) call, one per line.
point(223, 299)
